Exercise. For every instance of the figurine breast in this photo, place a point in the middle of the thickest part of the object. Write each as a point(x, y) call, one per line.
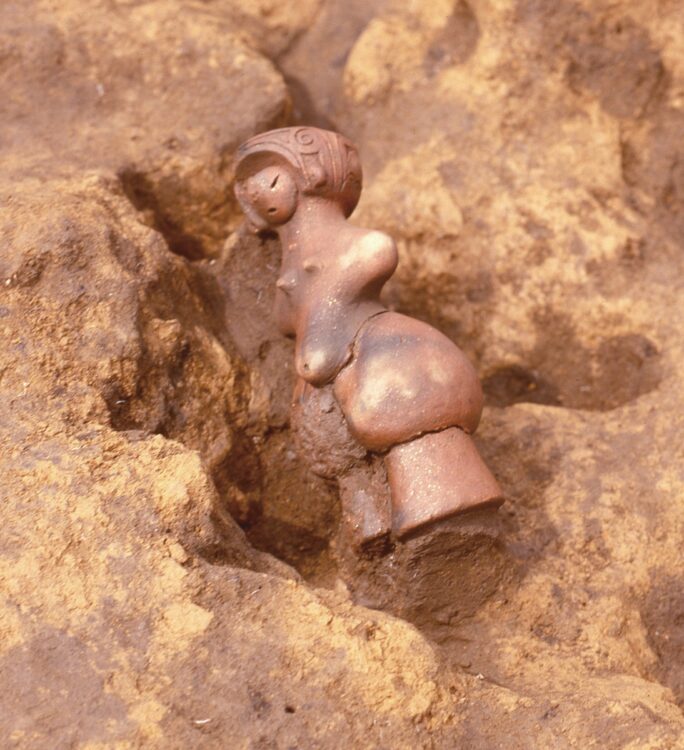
point(339, 289)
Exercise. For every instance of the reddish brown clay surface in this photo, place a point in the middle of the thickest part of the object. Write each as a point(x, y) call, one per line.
point(436, 476)
point(303, 182)
point(395, 378)
point(406, 379)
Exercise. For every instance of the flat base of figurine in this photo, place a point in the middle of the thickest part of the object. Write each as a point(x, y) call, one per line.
point(433, 578)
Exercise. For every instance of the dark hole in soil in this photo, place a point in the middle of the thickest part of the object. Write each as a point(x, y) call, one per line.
point(563, 372)
point(144, 196)
point(515, 384)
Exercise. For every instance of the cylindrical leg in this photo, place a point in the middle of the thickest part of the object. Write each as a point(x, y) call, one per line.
point(436, 476)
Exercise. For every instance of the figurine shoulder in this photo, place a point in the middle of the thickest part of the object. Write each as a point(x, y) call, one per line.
point(375, 241)
point(371, 248)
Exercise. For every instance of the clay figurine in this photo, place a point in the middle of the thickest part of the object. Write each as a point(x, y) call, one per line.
point(385, 404)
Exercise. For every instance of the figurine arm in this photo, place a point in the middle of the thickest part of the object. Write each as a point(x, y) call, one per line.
point(372, 259)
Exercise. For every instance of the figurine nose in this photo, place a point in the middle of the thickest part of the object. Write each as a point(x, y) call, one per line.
point(286, 283)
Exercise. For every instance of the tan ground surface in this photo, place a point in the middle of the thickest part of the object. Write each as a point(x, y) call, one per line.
point(528, 156)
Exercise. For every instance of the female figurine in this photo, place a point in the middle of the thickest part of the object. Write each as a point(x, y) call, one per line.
point(383, 401)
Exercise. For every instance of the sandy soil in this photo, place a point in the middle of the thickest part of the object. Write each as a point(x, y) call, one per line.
point(166, 578)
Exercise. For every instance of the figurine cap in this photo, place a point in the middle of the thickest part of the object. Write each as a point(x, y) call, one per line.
point(325, 163)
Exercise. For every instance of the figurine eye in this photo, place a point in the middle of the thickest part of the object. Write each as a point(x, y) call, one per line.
point(275, 181)
point(310, 266)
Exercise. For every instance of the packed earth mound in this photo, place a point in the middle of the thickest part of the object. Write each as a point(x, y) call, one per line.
point(166, 574)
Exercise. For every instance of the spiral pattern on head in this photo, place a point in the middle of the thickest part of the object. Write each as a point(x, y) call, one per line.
point(324, 163)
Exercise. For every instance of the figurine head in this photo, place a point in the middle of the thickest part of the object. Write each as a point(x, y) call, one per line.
point(274, 169)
